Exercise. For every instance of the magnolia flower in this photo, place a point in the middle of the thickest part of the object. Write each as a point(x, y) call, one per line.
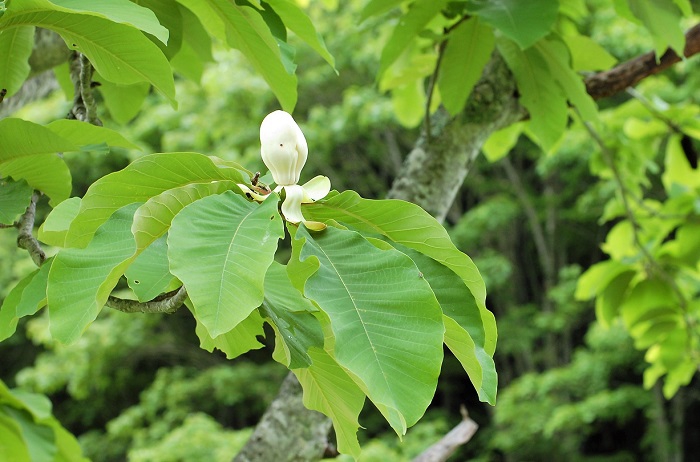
point(284, 151)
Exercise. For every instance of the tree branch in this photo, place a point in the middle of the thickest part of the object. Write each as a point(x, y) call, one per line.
point(449, 443)
point(630, 73)
point(166, 303)
point(25, 238)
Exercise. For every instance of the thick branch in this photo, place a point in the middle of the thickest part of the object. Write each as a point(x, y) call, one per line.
point(25, 238)
point(168, 303)
point(630, 73)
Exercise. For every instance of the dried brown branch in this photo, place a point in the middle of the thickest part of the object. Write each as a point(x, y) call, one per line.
point(630, 73)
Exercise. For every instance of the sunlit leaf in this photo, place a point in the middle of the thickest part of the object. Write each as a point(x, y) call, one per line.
point(523, 22)
point(15, 48)
point(377, 338)
point(220, 248)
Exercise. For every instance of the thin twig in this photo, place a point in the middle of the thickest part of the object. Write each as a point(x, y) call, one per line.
point(169, 303)
point(25, 238)
point(654, 111)
point(449, 443)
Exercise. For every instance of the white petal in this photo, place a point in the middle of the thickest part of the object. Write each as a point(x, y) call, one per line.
point(283, 147)
point(291, 207)
point(316, 188)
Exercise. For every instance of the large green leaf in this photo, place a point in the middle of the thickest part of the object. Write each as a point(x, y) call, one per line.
point(8, 310)
point(663, 19)
point(523, 22)
point(464, 331)
point(39, 439)
point(47, 173)
point(120, 53)
point(220, 248)
point(557, 57)
point(467, 51)
point(123, 101)
point(539, 92)
point(15, 47)
point(153, 218)
point(329, 390)
point(290, 313)
point(11, 444)
point(299, 23)
point(120, 11)
point(383, 316)
point(168, 14)
point(14, 134)
point(409, 225)
point(146, 177)
point(239, 340)
point(149, 274)
point(410, 25)
point(86, 134)
point(14, 198)
point(80, 280)
point(244, 29)
point(54, 229)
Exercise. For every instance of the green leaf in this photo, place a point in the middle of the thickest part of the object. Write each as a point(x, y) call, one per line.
point(220, 248)
point(377, 7)
point(14, 134)
point(646, 295)
point(123, 101)
point(539, 92)
point(500, 143)
point(464, 336)
point(329, 390)
point(195, 34)
point(383, 315)
point(144, 178)
point(15, 48)
point(14, 199)
point(663, 19)
point(290, 313)
point(677, 171)
point(154, 217)
point(409, 225)
point(299, 23)
point(120, 53)
point(80, 280)
point(408, 102)
point(167, 14)
point(83, 133)
point(119, 11)
point(34, 293)
point(149, 274)
point(588, 55)
point(12, 445)
point(47, 173)
point(597, 277)
point(54, 229)
point(523, 22)
point(468, 49)
point(8, 310)
point(239, 340)
point(410, 25)
point(610, 298)
point(39, 439)
point(557, 57)
point(244, 29)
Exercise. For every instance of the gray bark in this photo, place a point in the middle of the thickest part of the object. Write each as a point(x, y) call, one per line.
point(287, 431)
point(49, 51)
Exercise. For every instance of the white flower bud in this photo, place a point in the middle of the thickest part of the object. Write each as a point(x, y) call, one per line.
point(283, 147)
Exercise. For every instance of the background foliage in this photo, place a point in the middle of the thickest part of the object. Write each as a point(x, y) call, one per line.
point(575, 379)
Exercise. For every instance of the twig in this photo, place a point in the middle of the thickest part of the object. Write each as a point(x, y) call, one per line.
point(86, 71)
point(25, 238)
point(167, 303)
point(449, 443)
